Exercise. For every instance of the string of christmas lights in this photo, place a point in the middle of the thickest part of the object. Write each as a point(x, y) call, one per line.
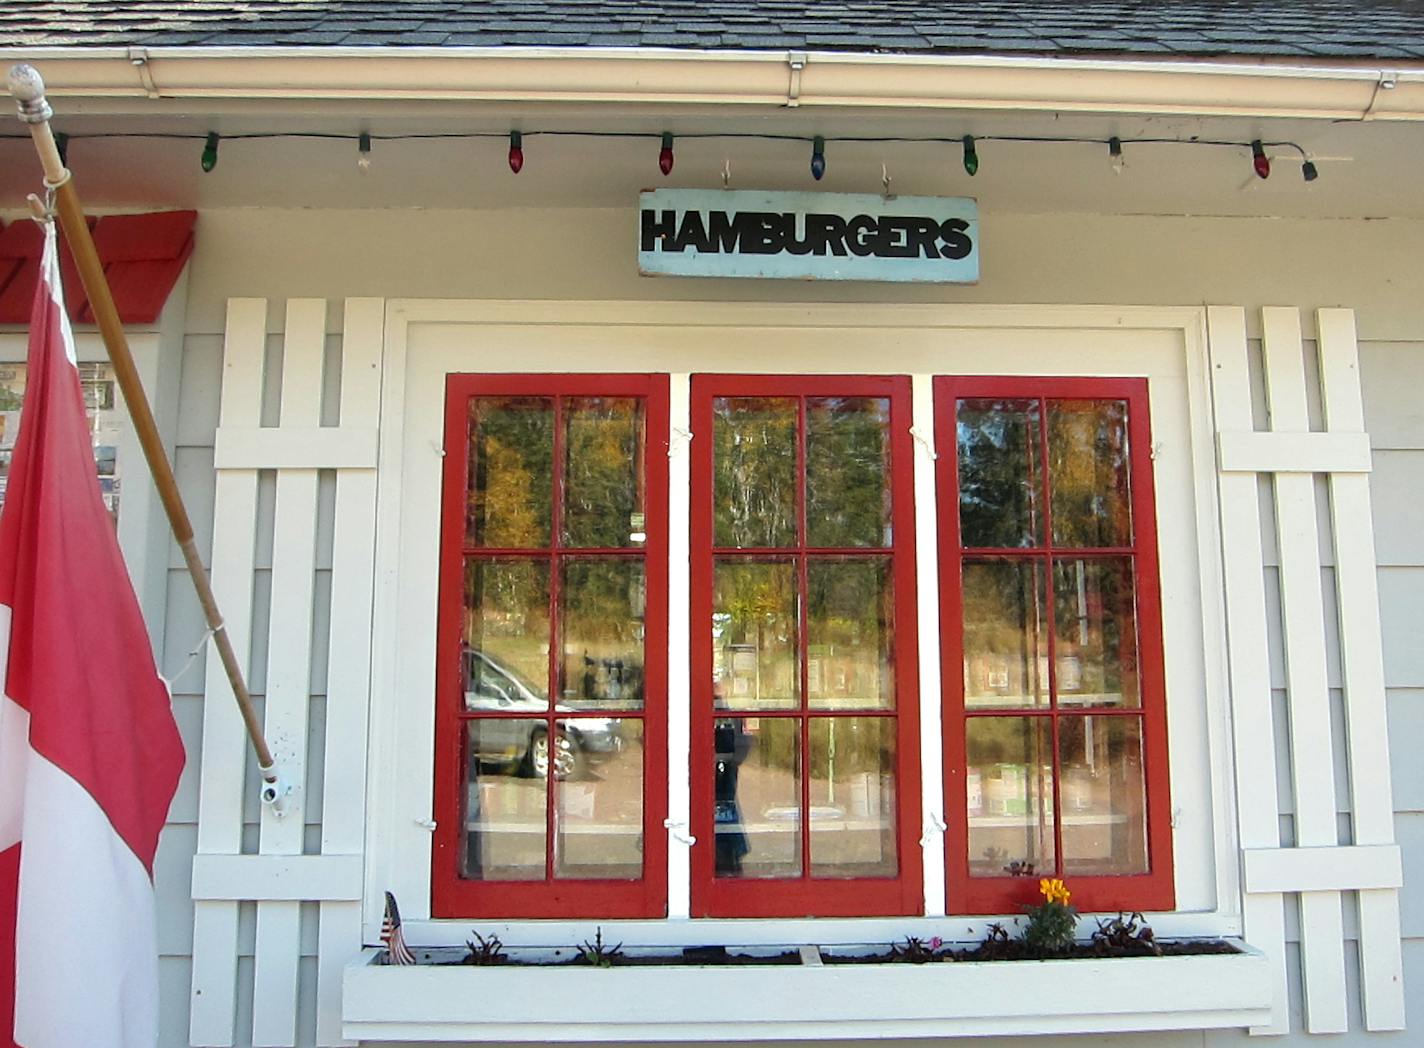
point(1260, 161)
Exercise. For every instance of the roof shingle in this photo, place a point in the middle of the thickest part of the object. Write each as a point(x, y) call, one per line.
point(1207, 28)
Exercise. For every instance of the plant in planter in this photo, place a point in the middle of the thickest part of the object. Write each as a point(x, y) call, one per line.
point(485, 951)
point(1127, 933)
point(597, 955)
point(916, 950)
point(1053, 923)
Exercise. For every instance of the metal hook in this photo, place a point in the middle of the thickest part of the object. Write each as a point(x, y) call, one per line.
point(726, 173)
point(885, 177)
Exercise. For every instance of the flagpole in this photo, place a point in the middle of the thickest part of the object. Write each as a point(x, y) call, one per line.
point(29, 92)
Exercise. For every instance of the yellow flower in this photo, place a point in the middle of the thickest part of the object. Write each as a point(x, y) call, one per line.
point(1054, 890)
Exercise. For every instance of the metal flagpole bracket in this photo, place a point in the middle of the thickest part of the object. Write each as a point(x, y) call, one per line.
point(274, 791)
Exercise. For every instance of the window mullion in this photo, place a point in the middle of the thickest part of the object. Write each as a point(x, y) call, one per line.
point(802, 638)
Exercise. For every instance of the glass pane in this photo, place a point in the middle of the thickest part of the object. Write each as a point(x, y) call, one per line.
point(1000, 475)
point(853, 797)
point(598, 799)
point(847, 471)
point(505, 817)
point(754, 631)
point(506, 651)
point(1010, 796)
point(1104, 796)
point(604, 442)
point(511, 479)
point(850, 628)
point(1005, 633)
point(602, 604)
point(1087, 471)
point(754, 471)
point(757, 820)
point(101, 412)
point(1096, 638)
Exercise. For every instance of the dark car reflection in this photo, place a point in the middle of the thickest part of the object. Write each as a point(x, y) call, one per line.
point(519, 741)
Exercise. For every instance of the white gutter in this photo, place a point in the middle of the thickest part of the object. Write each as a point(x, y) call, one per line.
point(662, 77)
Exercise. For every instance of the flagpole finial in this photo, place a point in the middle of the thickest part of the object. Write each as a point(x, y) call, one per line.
point(28, 89)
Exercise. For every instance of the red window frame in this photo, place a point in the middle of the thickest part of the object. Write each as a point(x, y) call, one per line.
point(1153, 890)
point(452, 895)
point(805, 896)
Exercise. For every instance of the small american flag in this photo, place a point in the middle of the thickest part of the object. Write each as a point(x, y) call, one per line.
point(396, 950)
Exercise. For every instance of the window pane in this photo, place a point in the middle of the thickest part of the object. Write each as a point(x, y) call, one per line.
point(1096, 639)
point(754, 471)
point(757, 818)
point(1005, 633)
point(850, 626)
point(598, 799)
point(1088, 474)
point(601, 607)
point(1104, 796)
point(853, 797)
point(754, 631)
point(505, 801)
point(1010, 796)
point(506, 651)
point(847, 471)
point(511, 480)
point(1000, 475)
point(604, 441)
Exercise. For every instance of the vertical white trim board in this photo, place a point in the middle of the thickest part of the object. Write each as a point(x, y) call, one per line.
point(343, 822)
point(1248, 666)
point(213, 1000)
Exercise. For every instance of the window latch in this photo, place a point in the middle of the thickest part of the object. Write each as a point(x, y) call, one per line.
point(676, 828)
point(933, 825)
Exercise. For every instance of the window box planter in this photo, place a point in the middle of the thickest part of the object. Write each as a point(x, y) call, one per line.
point(801, 1002)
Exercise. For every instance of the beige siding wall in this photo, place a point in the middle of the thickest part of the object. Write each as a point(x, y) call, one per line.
point(527, 254)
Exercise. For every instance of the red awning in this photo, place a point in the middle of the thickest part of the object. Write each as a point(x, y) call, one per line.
point(142, 256)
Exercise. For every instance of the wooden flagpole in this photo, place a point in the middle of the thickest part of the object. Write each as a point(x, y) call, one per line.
point(29, 92)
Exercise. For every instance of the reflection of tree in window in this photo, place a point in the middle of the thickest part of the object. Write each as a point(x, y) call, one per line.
point(511, 471)
point(754, 459)
point(999, 473)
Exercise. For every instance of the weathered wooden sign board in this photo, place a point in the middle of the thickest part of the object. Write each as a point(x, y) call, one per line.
point(808, 236)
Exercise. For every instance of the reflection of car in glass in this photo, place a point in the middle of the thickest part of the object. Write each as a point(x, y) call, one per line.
point(520, 740)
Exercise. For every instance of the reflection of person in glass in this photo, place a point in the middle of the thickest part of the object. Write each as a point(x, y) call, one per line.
point(732, 744)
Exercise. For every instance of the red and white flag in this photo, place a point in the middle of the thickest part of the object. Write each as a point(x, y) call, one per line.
point(89, 752)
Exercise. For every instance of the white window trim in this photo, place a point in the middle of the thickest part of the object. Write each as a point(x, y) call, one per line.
point(925, 340)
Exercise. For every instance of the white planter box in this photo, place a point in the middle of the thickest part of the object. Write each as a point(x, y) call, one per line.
point(744, 1003)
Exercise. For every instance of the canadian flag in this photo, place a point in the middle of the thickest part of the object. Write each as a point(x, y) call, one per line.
point(89, 752)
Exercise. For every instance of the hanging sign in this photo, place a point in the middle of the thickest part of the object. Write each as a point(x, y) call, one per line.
point(808, 236)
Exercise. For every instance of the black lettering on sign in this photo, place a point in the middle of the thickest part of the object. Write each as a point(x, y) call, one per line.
point(826, 233)
point(861, 235)
point(773, 233)
point(721, 233)
point(956, 241)
point(692, 234)
point(658, 226)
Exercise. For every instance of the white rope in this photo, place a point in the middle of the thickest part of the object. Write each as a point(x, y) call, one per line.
point(192, 657)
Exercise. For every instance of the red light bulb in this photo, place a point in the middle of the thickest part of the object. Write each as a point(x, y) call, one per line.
point(516, 152)
point(1259, 160)
point(665, 158)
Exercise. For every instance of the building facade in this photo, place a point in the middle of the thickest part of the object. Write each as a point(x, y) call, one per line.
point(761, 612)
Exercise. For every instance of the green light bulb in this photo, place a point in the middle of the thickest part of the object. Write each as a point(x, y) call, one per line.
point(971, 158)
point(210, 153)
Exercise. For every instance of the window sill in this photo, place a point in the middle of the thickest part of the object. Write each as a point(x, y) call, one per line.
point(695, 1003)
